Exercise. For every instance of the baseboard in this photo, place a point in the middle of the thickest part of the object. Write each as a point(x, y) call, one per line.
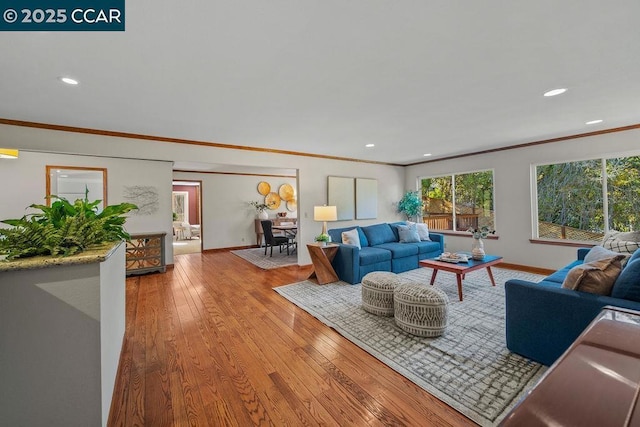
point(526, 268)
point(233, 248)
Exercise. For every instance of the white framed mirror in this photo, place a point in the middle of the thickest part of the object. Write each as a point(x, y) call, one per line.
point(71, 182)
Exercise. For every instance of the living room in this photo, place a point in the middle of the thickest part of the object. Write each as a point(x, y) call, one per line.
point(275, 94)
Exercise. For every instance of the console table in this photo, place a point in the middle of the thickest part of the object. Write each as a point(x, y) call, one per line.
point(321, 257)
point(145, 253)
point(596, 382)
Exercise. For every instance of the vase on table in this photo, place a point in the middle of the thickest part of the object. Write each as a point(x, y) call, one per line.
point(477, 249)
point(263, 215)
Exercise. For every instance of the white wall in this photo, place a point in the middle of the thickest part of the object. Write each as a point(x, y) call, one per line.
point(512, 175)
point(312, 171)
point(24, 183)
point(227, 217)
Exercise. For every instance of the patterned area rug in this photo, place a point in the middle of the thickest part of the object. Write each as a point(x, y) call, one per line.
point(469, 367)
point(257, 257)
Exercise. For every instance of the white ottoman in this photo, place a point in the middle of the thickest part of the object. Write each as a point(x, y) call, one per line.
point(420, 309)
point(377, 292)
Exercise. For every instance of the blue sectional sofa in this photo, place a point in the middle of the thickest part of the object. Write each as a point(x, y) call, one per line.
point(543, 319)
point(380, 251)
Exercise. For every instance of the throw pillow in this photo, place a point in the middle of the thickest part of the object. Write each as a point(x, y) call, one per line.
point(597, 253)
point(624, 243)
point(595, 277)
point(351, 237)
point(408, 234)
point(627, 285)
point(423, 230)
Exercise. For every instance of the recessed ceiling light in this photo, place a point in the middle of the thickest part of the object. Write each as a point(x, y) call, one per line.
point(370, 145)
point(593, 122)
point(69, 80)
point(555, 92)
point(427, 155)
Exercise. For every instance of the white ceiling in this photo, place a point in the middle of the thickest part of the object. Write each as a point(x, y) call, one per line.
point(328, 77)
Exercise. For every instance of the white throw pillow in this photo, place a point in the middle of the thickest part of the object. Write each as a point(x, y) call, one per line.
point(624, 243)
point(423, 230)
point(351, 237)
point(597, 253)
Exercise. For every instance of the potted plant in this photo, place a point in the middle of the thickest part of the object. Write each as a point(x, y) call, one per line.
point(323, 238)
point(63, 228)
point(261, 209)
point(411, 205)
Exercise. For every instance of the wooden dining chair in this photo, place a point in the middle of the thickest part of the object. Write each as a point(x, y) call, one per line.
point(270, 240)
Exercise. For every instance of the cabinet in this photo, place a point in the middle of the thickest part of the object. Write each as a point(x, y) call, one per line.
point(145, 253)
point(275, 221)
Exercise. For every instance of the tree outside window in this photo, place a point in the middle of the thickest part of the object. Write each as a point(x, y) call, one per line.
point(459, 202)
point(582, 200)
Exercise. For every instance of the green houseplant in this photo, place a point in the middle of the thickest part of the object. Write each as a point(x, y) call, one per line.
point(63, 228)
point(323, 238)
point(411, 204)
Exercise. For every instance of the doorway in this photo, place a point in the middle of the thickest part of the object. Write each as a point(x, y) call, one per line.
point(186, 203)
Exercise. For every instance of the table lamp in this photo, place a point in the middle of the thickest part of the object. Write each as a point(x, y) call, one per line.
point(324, 214)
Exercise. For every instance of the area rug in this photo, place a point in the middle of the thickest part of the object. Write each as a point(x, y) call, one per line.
point(257, 257)
point(468, 368)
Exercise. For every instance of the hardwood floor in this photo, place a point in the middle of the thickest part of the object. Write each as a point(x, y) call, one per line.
point(209, 343)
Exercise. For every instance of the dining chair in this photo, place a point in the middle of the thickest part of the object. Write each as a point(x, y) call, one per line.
point(270, 240)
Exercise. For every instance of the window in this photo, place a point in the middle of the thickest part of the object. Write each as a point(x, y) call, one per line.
point(583, 200)
point(459, 202)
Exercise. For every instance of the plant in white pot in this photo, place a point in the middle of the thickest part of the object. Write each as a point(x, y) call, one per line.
point(261, 209)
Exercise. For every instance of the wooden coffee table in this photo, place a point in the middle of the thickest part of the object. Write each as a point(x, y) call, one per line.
point(462, 268)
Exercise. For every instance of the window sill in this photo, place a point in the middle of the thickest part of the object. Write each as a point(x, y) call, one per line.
point(463, 234)
point(574, 244)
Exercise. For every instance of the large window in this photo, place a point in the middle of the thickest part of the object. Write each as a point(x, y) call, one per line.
point(459, 202)
point(583, 200)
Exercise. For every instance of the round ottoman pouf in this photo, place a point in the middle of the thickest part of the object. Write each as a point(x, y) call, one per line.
point(377, 292)
point(420, 309)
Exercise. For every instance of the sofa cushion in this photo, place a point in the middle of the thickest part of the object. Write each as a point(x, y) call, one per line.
point(351, 237)
point(408, 234)
point(369, 255)
point(399, 250)
point(559, 276)
point(627, 285)
point(379, 233)
point(596, 277)
point(426, 247)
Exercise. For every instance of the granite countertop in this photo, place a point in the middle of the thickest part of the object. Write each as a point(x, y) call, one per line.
point(95, 254)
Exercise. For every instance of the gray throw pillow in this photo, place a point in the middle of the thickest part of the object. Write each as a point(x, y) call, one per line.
point(408, 234)
point(597, 253)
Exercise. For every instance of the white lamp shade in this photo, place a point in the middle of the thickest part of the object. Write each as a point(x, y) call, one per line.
point(8, 153)
point(325, 213)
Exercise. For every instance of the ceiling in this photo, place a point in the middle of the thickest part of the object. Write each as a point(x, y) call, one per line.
point(327, 77)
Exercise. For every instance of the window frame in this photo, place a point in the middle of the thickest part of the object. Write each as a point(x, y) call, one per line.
point(452, 175)
point(535, 233)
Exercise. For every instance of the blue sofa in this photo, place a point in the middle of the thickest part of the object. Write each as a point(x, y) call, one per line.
point(380, 251)
point(543, 319)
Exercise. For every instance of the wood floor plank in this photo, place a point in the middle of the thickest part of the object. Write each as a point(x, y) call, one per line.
point(209, 343)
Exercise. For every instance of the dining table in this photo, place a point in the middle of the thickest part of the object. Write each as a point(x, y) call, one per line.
point(289, 230)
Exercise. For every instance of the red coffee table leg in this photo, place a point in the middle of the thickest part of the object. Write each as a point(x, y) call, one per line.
point(433, 276)
point(459, 278)
point(493, 282)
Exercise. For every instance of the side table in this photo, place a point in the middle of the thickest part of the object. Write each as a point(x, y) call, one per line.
point(321, 257)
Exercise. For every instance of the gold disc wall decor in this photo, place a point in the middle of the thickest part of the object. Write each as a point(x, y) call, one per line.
point(286, 192)
point(292, 205)
point(264, 188)
point(272, 200)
